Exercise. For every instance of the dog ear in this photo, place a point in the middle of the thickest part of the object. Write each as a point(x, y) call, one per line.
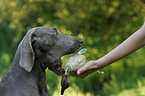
point(27, 55)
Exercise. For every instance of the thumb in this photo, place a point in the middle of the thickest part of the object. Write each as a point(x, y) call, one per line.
point(88, 65)
point(81, 70)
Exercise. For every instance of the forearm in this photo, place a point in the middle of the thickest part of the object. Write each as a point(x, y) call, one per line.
point(134, 42)
point(130, 45)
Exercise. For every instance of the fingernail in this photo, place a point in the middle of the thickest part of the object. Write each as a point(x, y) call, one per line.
point(78, 73)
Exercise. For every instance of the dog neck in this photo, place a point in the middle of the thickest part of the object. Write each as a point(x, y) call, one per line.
point(17, 74)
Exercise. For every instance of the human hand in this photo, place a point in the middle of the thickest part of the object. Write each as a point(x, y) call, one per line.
point(87, 69)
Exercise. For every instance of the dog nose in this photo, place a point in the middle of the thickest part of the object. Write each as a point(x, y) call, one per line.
point(80, 41)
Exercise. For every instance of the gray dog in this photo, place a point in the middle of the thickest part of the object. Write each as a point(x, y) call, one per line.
point(42, 47)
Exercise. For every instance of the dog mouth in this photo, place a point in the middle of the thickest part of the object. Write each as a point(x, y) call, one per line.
point(58, 66)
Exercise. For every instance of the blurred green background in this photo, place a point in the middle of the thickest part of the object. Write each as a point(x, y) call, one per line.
point(102, 24)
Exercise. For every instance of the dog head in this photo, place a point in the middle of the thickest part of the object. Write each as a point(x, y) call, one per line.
point(47, 45)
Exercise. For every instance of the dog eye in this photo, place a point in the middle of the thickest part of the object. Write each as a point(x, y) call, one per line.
point(44, 47)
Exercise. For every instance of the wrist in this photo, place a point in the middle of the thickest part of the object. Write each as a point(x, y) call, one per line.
point(99, 63)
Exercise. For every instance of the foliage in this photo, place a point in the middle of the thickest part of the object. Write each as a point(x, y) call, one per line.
point(102, 24)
